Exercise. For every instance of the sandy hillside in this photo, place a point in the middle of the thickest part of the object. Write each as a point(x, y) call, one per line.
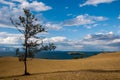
point(104, 66)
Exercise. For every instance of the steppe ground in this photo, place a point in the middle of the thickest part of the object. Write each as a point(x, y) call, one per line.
point(104, 66)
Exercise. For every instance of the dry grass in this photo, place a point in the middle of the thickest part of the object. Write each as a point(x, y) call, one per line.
point(104, 66)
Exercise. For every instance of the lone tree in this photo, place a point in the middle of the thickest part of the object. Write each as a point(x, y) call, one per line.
point(32, 43)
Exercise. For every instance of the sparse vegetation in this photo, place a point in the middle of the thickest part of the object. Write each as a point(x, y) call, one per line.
point(28, 26)
point(98, 67)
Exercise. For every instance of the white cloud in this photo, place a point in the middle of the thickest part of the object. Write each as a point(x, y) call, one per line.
point(119, 17)
point(7, 2)
point(116, 41)
point(37, 6)
point(16, 9)
point(6, 26)
point(83, 20)
point(56, 39)
point(99, 41)
point(96, 2)
point(7, 38)
point(52, 26)
point(20, 1)
point(101, 36)
point(88, 36)
point(34, 5)
point(107, 41)
point(90, 26)
point(6, 14)
point(99, 18)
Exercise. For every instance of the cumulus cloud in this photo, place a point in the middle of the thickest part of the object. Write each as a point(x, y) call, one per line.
point(105, 41)
point(99, 41)
point(8, 38)
point(92, 42)
point(96, 2)
point(101, 36)
point(63, 43)
point(37, 6)
point(52, 26)
point(90, 26)
point(56, 39)
point(7, 3)
point(6, 14)
point(20, 1)
point(14, 8)
point(83, 20)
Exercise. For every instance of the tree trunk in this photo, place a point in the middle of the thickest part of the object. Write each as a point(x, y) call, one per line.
point(25, 62)
point(25, 58)
point(25, 68)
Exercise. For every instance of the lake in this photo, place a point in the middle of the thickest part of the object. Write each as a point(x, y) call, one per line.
point(58, 54)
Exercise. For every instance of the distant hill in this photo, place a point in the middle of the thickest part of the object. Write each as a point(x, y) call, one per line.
point(7, 51)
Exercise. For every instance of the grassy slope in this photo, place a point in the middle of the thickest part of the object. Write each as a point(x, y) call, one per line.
point(105, 66)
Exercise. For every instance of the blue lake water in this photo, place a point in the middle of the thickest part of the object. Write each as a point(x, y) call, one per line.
point(64, 55)
point(56, 54)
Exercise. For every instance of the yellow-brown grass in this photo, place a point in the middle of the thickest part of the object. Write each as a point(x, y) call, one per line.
point(104, 66)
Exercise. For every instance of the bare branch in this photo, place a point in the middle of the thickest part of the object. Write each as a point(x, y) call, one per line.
point(30, 30)
point(16, 25)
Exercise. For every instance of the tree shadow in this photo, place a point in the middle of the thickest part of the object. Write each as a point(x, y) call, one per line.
point(3, 77)
point(101, 70)
point(88, 70)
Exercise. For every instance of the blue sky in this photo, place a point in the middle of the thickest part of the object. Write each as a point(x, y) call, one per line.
point(88, 25)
